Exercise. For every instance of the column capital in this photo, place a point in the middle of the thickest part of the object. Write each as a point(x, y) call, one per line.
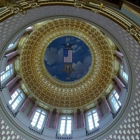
point(103, 96)
point(57, 111)
point(51, 109)
point(30, 96)
point(75, 111)
point(36, 102)
point(96, 102)
point(81, 109)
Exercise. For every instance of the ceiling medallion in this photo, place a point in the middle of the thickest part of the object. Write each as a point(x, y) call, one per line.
point(54, 79)
point(67, 58)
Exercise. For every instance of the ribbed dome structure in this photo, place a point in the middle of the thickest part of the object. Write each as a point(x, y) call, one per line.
point(69, 73)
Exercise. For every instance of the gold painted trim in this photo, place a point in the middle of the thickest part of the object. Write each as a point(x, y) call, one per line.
point(62, 95)
point(94, 6)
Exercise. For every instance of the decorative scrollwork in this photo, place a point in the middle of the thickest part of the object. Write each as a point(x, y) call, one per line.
point(134, 31)
point(78, 3)
point(94, 5)
point(53, 92)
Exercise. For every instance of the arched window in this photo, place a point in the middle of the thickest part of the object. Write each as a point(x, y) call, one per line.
point(17, 98)
point(114, 100)
point(38, 119)
point(92, 119)
point(7, 72)
point(65, 125)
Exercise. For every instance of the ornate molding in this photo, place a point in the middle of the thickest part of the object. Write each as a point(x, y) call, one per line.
point(95, 6)
point(59, 94)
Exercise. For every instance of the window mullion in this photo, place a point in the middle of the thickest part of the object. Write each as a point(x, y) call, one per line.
point(117, 101)
point(38, 119)
point(93, 120)
point(15, 99)
point(66, 125)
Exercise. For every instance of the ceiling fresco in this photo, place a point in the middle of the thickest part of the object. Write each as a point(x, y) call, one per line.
point(67, 58)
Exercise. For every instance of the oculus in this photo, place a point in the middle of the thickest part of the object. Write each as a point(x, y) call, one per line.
point(67, 58)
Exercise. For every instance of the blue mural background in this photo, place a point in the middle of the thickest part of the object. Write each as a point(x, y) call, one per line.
point(81, 58)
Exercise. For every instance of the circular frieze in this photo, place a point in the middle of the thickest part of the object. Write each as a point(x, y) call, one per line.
point(39, 80)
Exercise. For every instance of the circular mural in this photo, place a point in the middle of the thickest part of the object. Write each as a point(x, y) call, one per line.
point(67, 58)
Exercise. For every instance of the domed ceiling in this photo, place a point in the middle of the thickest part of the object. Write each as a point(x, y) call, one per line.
point(66, 63)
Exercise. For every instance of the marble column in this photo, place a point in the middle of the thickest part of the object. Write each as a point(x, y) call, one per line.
point(75, 120)
point(82, 119)
point(49, 118)
point(32, 110)
point(25, 104)
point(106, 104)
point(11, 61)
point(56, 120)
point(12, 54)
point(119, 54)
point(15, 88)
point(12, 82)
point(116, 88)
point(99, 111)
point(119, 82)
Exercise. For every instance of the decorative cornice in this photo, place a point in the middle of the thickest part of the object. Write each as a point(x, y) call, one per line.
point(95, 6)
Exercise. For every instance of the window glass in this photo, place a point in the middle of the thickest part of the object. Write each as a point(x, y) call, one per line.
point(38, 119)
point(65, 125)
point(7, 72)
point(93, 119)
point(68, 129)
point(125, 75)
point(114, 96)
point(10, 46)
point(62, 127)
point(90, 122)
point(17, 97)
